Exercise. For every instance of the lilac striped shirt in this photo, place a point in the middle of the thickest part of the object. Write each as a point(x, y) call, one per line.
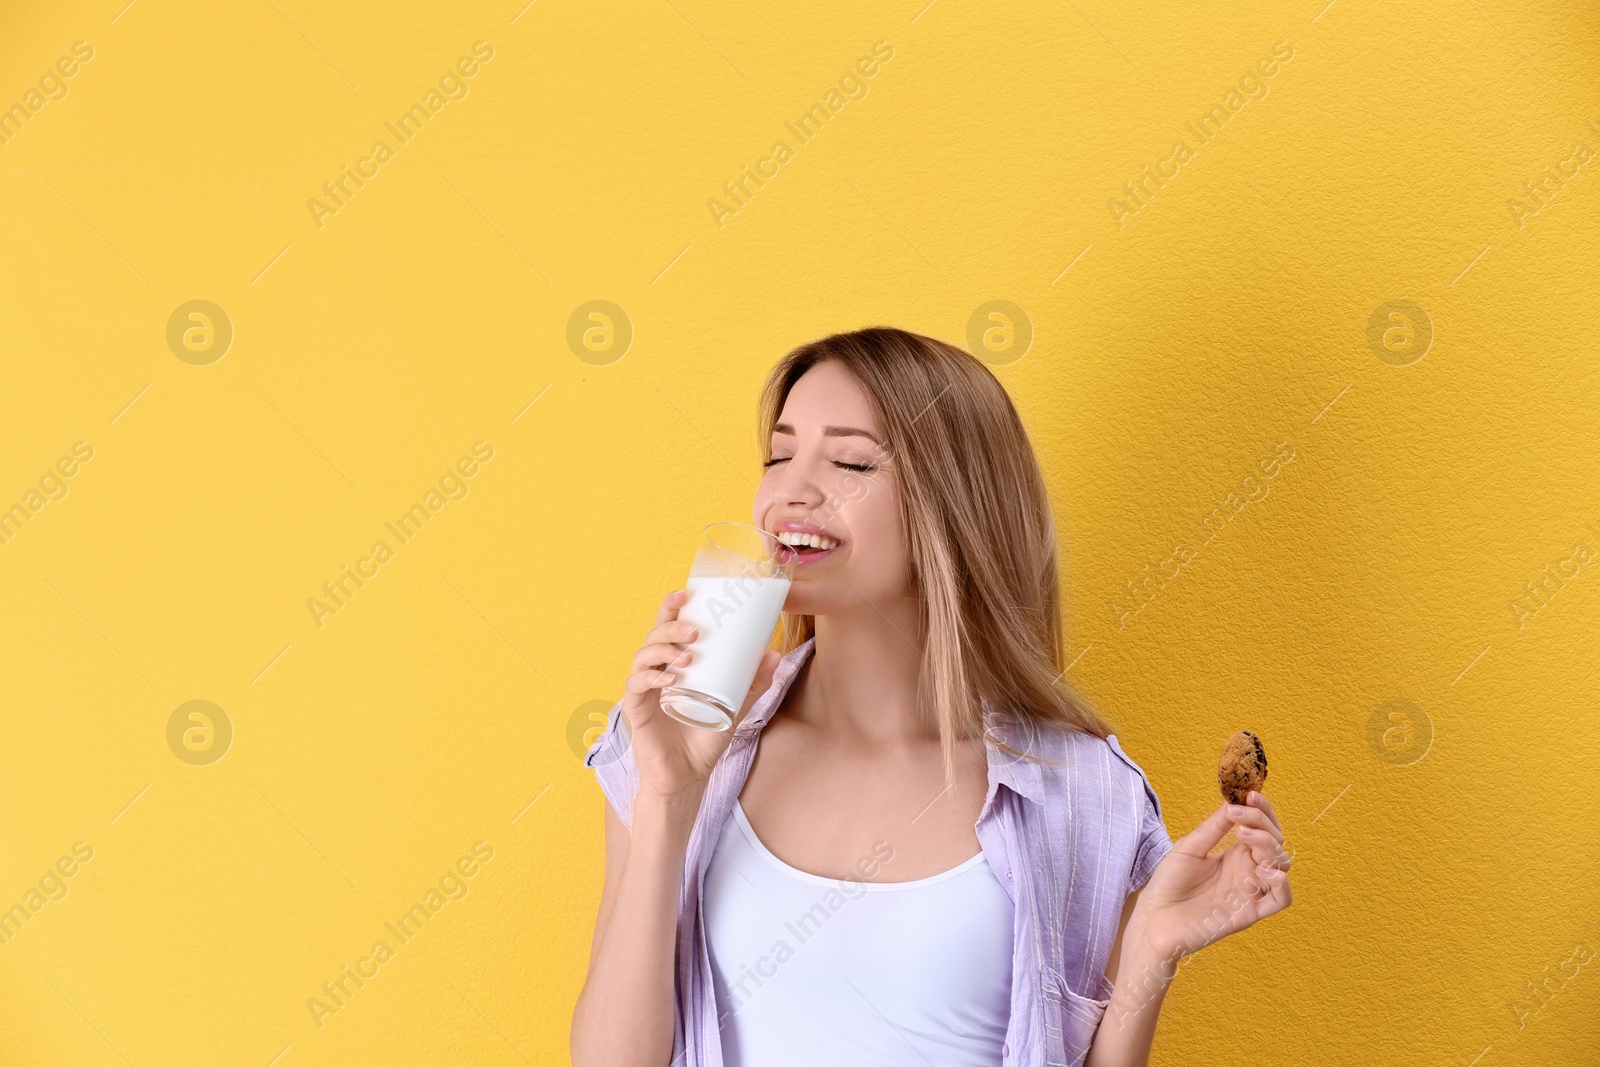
point(1068, 840)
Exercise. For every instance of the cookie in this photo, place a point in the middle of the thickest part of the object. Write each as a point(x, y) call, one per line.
point(1243, 767)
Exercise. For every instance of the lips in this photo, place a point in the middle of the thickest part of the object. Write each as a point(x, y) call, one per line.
point(804, 542)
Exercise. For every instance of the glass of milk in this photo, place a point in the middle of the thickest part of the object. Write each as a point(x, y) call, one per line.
point(737, 585)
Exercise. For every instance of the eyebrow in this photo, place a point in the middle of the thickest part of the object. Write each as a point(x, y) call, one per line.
point(830, 431)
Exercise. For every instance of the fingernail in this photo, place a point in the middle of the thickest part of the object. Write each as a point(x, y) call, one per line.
point(1235, 809)
point(1255, 797)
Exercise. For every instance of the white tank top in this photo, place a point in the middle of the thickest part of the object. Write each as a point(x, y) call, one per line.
point(810, 970)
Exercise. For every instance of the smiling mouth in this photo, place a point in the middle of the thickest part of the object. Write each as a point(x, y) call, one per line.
point(803, 549)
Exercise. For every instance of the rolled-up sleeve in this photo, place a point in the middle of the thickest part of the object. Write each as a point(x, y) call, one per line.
point(611, 759)
point(1152, 840)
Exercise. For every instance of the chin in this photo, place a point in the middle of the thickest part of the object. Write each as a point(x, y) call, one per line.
point(825, 598)
point(802, 605)
point(809, 601)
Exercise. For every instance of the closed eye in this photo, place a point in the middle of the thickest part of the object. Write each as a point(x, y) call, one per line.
point(860, 468)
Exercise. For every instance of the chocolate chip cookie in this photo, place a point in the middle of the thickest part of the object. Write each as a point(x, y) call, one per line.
point(1243, 767)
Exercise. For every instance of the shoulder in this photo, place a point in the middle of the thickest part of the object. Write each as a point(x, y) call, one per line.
point(1076, 759)
point(1090, 779)
point(1136, 772)
point(1098, 778)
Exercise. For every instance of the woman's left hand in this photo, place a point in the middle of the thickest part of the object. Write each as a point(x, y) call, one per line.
point(1194, 898)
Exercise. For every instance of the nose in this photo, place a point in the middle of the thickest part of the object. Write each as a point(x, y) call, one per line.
point(791, 485)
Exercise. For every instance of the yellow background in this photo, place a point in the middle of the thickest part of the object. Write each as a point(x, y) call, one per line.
point(1436, 873)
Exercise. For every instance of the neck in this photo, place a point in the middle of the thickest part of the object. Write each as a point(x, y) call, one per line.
point(861, 684)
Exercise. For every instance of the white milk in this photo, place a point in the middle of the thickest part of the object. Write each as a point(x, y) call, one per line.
point(735, 618)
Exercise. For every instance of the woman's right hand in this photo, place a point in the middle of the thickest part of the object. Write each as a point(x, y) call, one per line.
point(673, 759)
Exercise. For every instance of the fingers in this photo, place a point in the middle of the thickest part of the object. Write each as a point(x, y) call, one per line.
point(1259, 805)
point(670, 605)
point(664, 644)
point(1259, 800)
point(1255, 829)
point(1264, 890)
point(1264, 848)
point(1245, 816)
point(1203, 838)
point(1260, 833)
point(661, 655)
point(676, 631)
point(1277, 895)
point(640, 682)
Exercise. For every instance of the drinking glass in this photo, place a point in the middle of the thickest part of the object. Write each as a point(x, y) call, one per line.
point(737, 586)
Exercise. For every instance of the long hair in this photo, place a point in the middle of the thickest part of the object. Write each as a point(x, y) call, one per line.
point(981, 537)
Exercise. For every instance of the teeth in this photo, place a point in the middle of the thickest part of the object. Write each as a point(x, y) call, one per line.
point(796, 540)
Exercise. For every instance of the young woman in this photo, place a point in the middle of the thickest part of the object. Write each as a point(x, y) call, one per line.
point(917, 845)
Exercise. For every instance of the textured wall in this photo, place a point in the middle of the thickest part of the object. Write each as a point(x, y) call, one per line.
point(1372, 273)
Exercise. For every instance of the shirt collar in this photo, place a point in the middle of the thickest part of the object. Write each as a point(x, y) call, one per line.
point(1021, 775)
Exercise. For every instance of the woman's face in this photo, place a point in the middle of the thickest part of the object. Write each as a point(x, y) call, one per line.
point(831, 476)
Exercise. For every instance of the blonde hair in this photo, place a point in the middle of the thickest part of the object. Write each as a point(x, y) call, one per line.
point(981, 537)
